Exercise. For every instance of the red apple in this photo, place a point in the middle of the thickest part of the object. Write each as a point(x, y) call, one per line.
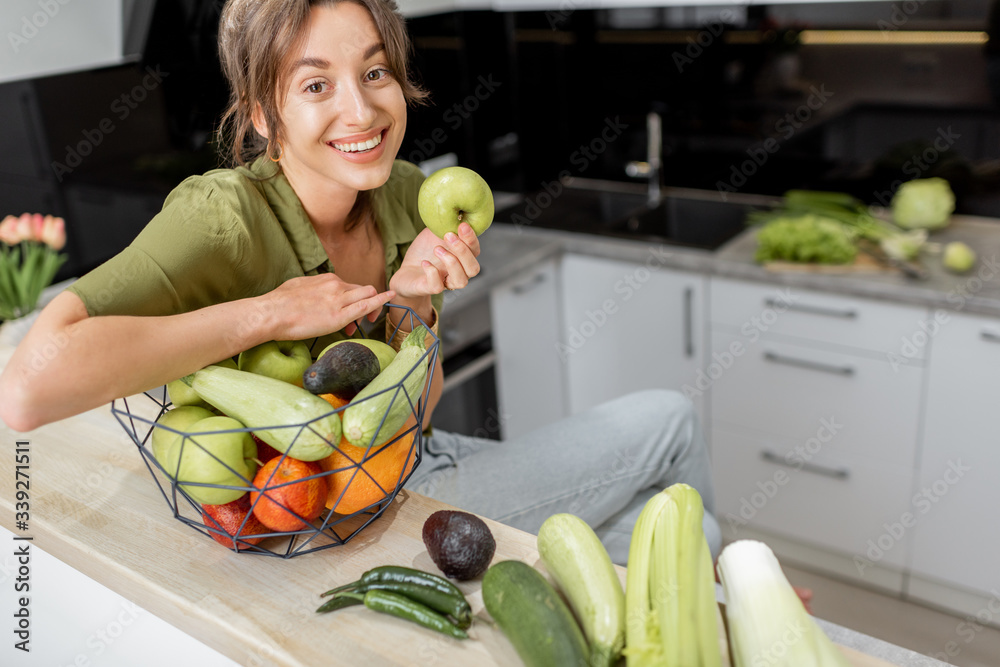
point(229, 518)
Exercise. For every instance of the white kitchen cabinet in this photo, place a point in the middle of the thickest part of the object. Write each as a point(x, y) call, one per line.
point(957, 538)
point(530, 377)
point(816, 408)
point(795, 314)
point(628, 326)
point(832, 499)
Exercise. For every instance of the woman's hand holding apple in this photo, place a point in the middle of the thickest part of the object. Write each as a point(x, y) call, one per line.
point(432, 265)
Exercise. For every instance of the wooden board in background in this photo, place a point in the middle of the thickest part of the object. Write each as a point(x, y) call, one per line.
point(863, 263)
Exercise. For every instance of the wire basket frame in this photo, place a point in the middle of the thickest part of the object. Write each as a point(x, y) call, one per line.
point(138, 417)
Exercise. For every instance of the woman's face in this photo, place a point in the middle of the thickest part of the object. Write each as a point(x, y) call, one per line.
point(343, 114)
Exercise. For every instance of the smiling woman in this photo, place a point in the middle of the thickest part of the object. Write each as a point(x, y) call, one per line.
point(311, 232)
point(255, 40)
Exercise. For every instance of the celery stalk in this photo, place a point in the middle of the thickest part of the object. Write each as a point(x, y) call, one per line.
point(670, 585)
point(665, 585)
point(642, 637)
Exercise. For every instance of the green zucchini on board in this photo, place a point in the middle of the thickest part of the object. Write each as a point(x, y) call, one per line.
point(265, 405)
point(533, 616)
point(365, 412)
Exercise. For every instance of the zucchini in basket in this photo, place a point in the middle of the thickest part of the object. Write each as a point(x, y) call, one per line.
point(287, 417)
point(383, 406)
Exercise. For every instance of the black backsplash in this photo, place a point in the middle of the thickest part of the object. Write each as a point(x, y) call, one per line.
point(522, 97)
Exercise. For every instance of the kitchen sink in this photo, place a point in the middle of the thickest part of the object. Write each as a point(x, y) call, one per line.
point(682, 216)
point(700, 222)
point(573, 208)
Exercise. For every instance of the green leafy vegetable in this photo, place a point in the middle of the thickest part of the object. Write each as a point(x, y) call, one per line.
point(905, 245)
point(924, 203)
point(806, 238)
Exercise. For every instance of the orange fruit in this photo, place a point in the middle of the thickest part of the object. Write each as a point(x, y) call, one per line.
point(285, 499)
point(364, 482)
point(333, 400)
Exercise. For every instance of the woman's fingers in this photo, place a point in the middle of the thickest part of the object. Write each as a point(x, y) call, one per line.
point(465, 247)
point(468, 235)
point(364, 301)
point(433, 277)
point(317, 305)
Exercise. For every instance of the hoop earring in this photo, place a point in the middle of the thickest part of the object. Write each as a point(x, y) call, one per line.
point(280, 152)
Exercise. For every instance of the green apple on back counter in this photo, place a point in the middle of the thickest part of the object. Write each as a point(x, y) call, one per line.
point(958, 257)
point(280, 359)
point(454, 195)
point(225, 458)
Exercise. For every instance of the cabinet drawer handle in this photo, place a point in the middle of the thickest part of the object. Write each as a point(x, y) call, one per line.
point(806, 363)
point(849, 313)
point(688, 322)
point(529, 285)
point(990, 336)
point(815, 468)
point(469, 371)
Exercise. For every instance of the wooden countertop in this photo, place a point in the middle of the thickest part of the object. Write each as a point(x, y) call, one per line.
point(95, 506)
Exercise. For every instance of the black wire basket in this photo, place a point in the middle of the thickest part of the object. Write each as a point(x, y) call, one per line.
point(360, 482)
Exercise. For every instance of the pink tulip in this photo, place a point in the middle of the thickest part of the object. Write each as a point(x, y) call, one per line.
point(53, 232)
point(8, 231)
point(37, 224)
point(24, 227)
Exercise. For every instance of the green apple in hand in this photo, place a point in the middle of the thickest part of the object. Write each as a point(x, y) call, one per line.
point(454, 195)
point(210, 457)
point(280, 359)
point(179, 419)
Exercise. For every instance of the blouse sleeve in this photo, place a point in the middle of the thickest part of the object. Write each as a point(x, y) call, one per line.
point(194, 253)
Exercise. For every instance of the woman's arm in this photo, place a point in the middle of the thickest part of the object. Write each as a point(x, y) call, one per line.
point(70, 363)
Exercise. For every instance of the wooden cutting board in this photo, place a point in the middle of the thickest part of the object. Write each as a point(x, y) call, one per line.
point(863, 263)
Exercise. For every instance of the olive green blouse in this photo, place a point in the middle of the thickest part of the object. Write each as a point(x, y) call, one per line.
point(236, 233)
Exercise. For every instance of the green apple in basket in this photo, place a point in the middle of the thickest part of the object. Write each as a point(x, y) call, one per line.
point(454, 195)
point(280, 359)
point(171, 424)
point(383, 351)
point(212, 453)
point(181, 394)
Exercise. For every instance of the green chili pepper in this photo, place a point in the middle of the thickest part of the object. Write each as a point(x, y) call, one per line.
point(338, 602)
point(403, 607)
point(447, 603)
point(399, 574)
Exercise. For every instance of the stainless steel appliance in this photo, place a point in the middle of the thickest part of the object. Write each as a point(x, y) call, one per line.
point(469, 400)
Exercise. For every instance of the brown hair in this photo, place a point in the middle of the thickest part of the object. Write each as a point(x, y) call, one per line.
point(255, 36)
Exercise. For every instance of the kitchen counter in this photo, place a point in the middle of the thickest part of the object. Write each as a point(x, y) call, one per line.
point(94, 506)
point(508, 249)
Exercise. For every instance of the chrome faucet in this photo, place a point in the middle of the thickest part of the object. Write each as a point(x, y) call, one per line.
point(654, 158)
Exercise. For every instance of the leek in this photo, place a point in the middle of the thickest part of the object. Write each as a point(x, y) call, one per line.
point(767, 623)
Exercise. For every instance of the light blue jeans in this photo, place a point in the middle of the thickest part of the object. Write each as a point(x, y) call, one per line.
point(601, 465)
